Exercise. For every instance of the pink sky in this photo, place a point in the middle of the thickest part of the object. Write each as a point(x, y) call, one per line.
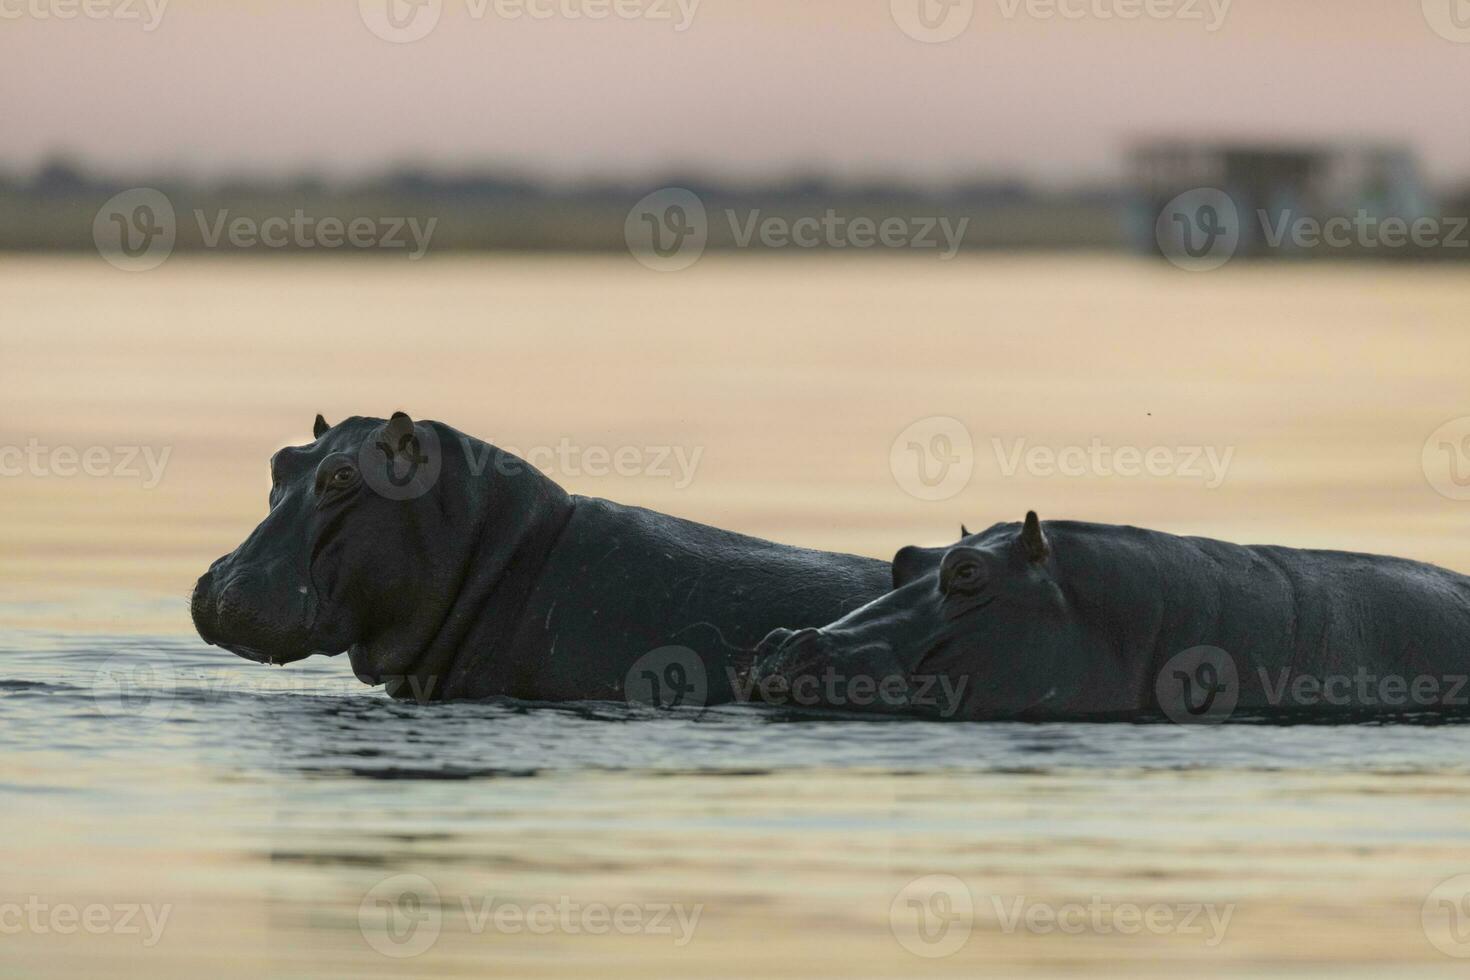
point(750, 87)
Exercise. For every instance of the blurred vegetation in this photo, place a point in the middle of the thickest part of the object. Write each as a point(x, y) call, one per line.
point(53, 209)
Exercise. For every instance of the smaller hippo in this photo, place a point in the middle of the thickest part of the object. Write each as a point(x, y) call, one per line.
point(1078, 621)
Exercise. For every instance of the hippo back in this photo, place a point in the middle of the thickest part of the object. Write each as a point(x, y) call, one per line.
point(621, 582)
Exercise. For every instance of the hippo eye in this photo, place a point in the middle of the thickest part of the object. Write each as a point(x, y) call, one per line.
point(963, 576)
point(341, 477)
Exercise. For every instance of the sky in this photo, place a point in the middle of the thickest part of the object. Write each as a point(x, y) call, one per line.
point(731, 88)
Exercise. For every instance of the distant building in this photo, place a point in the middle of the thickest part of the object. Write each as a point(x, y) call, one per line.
point(1272, 183)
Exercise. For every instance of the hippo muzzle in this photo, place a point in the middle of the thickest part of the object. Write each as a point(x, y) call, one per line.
point(815, 668)
point(262, 612)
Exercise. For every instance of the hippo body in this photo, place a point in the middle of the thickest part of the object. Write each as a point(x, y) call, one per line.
point(451, 569)
point(620, 582)
point(1090, 621)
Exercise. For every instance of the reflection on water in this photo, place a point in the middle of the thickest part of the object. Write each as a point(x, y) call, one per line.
point(293, 822)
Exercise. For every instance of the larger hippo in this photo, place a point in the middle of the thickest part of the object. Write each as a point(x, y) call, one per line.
point(448, 568)
point(1068, 620)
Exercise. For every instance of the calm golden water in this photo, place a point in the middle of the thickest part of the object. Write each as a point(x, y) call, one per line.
point(261, 817)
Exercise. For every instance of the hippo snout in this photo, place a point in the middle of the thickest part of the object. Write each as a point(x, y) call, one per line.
point(253, 612)
point(785, 645)
point(794, 652)
point(202, 608)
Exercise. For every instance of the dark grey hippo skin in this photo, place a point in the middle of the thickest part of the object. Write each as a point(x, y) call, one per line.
point(1069, 620)
point(448, 569)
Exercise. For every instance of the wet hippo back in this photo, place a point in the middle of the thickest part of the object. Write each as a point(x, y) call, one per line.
point(620, 582)
point(1078, 620)
point(1347, 613)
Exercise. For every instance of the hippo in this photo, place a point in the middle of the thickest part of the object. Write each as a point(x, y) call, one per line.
point(450, 569)
point(1069, 620)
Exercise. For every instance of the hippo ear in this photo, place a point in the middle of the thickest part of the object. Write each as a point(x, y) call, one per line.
point(1033, 540)
point(400, 425)
point(397, 434)
point(319, 426)
point(964, 531)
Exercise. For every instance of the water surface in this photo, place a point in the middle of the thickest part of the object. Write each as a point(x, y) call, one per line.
point(269, 812)
point(264, 808)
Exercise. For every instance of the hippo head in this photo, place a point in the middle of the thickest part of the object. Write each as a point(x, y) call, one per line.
point(986, 615)
point(372, 530)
